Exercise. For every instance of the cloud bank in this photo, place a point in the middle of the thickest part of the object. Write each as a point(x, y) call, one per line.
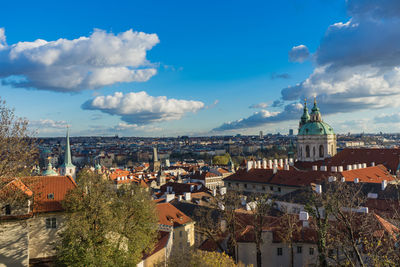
point(91, 62)
point(141, 108)
point(357, 64)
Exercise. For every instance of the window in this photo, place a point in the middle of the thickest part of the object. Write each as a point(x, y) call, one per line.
point(50, 196)
point(7, 209)
point(279, 252)
point(301, 151)
point(331, 252)
point(321, 151)
point(245, 185)
point(299, 249)
point(263, 188)
point(307, 151)
point(51, 223)
point(313, 151)
point(279, 189)
point(70, 170)
point(271, 188)
point(311, 251)
point(180, 233)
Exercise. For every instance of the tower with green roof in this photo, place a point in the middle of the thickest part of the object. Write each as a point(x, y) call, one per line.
point(316, 139)
point(67, 168)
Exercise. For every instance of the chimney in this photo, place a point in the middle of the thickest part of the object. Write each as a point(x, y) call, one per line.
point(264, 164)
point(286, 161)
point(275, 169)
point(249, 165)
point(340, 168)
point(343, 179)
point(222, 191)
point(281, 163)
point(355, 166)
point(315, 168)
point(331, 178)
point(286, 167)
point(259, 164)
point(291, 162)
point(276, 162)
point(359, 166)
point(318, 188)
point(180, 198)
point(349, 167)
point(334, 169)
point(169, 197)
point(324, 168)
point(372, 164)
point(187, 196)
point(356, 180)
point(214, 192)
point(383, 185)
point(269, 164)
point(303, 216)
point(364, 165)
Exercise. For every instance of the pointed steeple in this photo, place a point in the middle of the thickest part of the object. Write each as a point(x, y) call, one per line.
point(305, 117)
point(67, 155)
point(67, 168)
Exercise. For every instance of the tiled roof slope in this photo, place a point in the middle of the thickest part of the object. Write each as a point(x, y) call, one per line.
point(171, 216)
point(297, 178)
point(42, 186)
point(390, 158)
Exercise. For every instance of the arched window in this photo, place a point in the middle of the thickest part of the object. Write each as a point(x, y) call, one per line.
point(313, 151)
point(307, 151)
point(332, 150)
point(321, 151)
point(301, 151)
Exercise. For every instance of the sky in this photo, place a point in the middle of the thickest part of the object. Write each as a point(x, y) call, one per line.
point(171, 68)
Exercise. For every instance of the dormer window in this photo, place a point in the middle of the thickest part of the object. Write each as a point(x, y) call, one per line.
point(50, 196)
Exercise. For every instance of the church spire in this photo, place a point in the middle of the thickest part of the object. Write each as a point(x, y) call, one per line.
point(67, 156)
point(305, 117)
point(68, 168)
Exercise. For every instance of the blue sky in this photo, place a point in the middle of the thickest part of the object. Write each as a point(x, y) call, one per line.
point(215, 58)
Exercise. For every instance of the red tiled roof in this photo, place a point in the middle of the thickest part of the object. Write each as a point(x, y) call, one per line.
point(294, 177)
point(390, 158)
point(16, 184)
point(180, 188)
point(290, 177)
point(169, 215)
point(42, 186)
point(392, 230)
point(162, 240)
point(374, 174)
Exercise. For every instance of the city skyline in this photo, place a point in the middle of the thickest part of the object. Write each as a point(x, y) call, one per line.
point(169, 69)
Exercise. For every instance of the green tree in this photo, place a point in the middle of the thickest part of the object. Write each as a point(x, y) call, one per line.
point(106, 227)
point(221, 160)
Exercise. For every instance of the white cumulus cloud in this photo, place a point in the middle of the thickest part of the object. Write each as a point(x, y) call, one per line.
point(140, 108)
point(91, 62)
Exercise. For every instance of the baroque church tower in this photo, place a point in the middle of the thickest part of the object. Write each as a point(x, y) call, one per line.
point(316, 139)
point(67, 168)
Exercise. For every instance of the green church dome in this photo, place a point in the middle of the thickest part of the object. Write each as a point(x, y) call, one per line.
point(316, 128)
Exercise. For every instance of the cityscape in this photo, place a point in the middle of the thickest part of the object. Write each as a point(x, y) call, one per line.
point(210, 134)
